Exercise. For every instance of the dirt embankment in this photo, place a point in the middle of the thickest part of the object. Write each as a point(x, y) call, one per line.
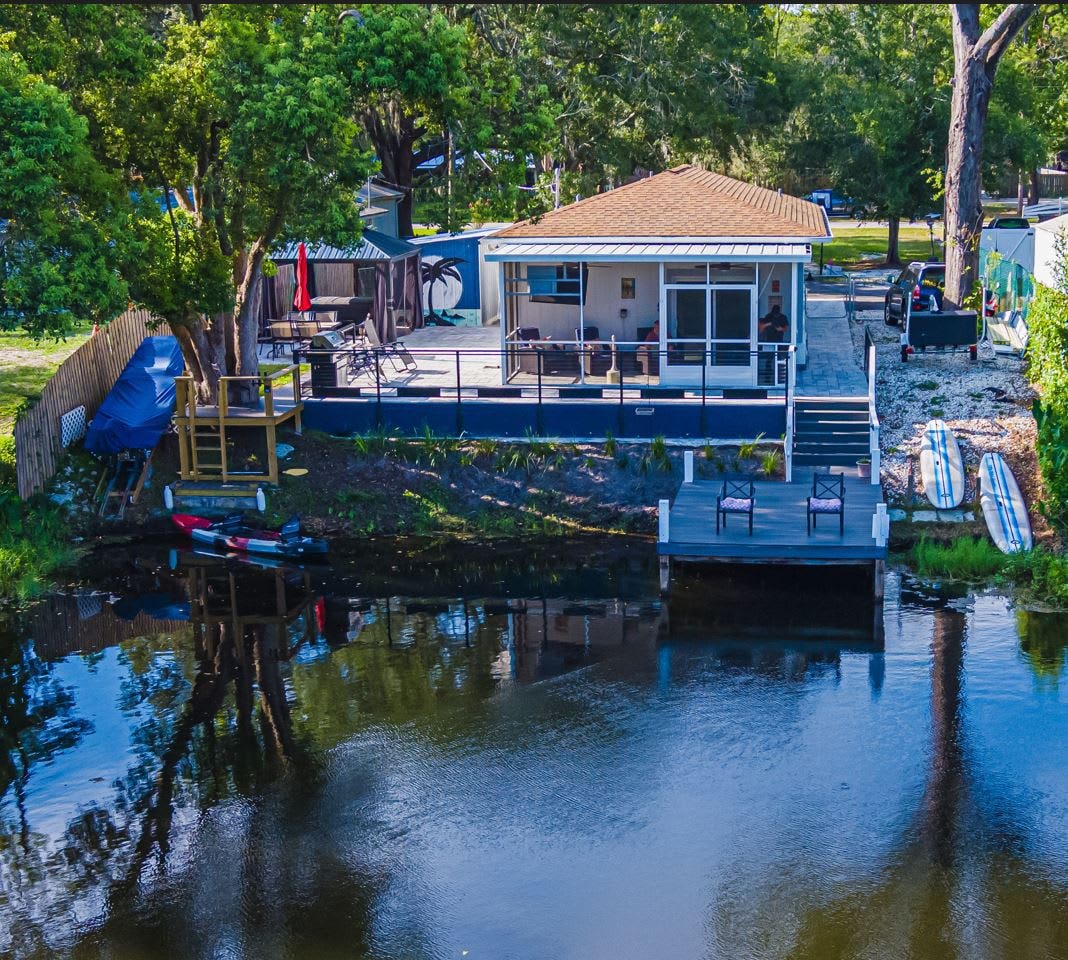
point(364, 486)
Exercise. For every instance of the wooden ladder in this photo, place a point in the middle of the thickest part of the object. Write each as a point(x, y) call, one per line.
point(207, 449)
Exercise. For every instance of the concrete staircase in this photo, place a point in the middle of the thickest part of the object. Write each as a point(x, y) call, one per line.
point(830, 431)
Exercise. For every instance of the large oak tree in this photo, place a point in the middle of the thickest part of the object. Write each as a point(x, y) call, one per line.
point(976, 55)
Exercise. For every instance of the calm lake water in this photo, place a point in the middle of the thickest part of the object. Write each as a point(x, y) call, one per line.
point(430, 752)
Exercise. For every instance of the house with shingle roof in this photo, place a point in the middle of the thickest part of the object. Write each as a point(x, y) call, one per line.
point(685, 278)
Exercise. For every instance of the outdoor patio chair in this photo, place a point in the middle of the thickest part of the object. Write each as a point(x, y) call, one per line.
point(554, 358)
point(306, 329)
point(736, 497)
point(325, 319)
point(361, 360)
point(597, 356)
point(394, 352)
point(828, 497)
point(281, 335)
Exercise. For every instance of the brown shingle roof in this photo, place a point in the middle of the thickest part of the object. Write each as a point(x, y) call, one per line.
point(686, 201)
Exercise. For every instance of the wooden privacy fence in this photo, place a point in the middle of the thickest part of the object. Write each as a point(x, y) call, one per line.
point(83, 379)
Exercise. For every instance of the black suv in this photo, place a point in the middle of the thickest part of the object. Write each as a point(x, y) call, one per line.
point(922, 283)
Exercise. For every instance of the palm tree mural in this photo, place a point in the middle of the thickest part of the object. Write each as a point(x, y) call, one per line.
point(439, 271)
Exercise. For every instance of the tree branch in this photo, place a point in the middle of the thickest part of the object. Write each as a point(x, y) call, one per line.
point(997, 37)
point(174, 225)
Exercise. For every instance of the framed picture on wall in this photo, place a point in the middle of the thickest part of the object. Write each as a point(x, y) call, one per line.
point(626, 288)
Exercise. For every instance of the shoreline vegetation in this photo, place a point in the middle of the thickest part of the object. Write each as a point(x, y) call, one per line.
point(375, 485)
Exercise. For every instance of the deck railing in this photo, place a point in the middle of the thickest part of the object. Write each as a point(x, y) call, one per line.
point(549, 376)
point(549, 363)
point(874, 444)
point(198, 424)
point(788, 439)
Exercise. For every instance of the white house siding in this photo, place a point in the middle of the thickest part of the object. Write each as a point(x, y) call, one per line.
point(1046, 253)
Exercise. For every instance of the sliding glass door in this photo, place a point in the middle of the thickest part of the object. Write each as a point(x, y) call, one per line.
point(711, 326)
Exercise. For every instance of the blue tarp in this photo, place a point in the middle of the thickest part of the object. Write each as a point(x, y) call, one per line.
point(138, 409)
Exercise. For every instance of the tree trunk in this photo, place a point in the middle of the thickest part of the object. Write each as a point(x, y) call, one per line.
point(976, 56)
point(246, 323)
point(393, 134)
point(964, 210)
point(1034, 188)
point(893, 253)
point(204, 349)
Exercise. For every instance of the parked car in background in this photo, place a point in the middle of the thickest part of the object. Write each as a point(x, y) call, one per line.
point(837, 205)
point(1009, 223)
point(919, 284)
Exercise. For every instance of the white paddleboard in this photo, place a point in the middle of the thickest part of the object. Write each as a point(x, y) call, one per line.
point(1003, 505)
point(941, 466)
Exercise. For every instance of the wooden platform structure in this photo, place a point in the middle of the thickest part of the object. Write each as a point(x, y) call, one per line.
point(688, 527)
point(203, 430)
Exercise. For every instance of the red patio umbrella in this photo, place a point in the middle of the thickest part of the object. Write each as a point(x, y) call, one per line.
point(301, 297)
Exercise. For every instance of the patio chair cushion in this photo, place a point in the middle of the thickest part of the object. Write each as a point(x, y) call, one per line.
point(735, 504)
point(822, 505)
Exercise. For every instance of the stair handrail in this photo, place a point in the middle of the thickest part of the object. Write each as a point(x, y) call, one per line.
point(874, 445)
point(788, 440)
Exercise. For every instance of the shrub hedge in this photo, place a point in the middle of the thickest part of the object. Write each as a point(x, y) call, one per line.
point(1047, 353)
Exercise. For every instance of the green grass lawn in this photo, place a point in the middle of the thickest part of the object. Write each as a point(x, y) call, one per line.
point(866, 246)
point(26, 365)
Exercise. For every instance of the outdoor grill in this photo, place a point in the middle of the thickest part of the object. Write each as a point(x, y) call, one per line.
point(329, 363)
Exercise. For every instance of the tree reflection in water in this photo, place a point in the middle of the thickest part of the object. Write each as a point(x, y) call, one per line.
point(959, 864)
point(261, 809)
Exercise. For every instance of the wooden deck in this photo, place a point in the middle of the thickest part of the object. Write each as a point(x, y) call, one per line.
point(779, 529)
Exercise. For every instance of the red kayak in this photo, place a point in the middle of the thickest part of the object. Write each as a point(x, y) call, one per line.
point(232, 533)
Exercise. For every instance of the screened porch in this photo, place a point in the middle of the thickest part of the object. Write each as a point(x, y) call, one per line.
point(706, 324)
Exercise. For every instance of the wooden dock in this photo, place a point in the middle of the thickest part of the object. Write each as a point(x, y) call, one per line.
point(779, 528)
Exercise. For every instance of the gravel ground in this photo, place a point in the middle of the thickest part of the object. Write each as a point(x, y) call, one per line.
point(988, 405)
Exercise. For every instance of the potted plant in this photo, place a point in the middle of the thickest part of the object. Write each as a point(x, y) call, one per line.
point(864, 468)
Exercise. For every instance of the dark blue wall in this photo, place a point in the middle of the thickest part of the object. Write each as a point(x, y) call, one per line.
point(516, 418)
point(466, 248)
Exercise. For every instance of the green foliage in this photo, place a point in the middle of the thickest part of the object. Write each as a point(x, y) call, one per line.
point(610, 445)
point(747, 450)
point(1047, 353)
point(374, 444)
point(7, 462)
point(64, 243)
point(1040, 575)
point(962, 559)
point(34, 543)
point(769, 463)
point(861, 77)
point(249, 108)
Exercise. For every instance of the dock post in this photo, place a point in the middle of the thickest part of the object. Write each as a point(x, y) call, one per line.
point(664, 516)
point(880, 525)
point(687, 467)
point(879, 581)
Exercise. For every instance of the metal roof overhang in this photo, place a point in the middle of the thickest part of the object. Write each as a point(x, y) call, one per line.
point(373, 246)
point(656, 251)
